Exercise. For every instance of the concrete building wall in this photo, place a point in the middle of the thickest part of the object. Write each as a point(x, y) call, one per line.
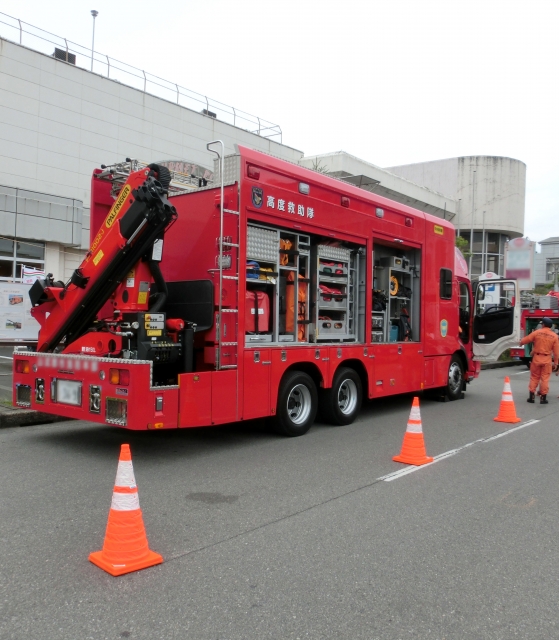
point(40, 216)
point(381, 181)
point(439, 175)
point(478, 183)
point(549, 254)
point(58, 122)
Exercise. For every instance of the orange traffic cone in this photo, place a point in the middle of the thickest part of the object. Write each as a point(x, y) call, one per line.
point(413, 447)
point(507, 411)
point(126, 546)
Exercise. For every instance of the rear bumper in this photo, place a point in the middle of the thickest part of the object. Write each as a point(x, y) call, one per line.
point(80, 387)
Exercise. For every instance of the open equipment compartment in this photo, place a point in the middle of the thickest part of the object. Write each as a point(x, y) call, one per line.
point(396, 293)
point(300, 288)
point(335, 278)
point(277, 285)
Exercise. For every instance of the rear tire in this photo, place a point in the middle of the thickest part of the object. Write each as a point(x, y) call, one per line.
point(297, 404)
point(341, 404)
point(455, 382)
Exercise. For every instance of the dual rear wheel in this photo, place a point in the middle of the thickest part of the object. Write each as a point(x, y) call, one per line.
point(298, 401)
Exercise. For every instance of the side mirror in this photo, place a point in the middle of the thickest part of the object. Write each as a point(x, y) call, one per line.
point(481, 292)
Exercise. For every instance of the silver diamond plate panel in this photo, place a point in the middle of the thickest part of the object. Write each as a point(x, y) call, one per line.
point(334, 253)
point(231, 169)
point(262, 244)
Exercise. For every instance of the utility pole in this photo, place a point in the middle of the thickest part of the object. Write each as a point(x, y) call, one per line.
point(472, 225)
point(94, 13)
point(483, 247)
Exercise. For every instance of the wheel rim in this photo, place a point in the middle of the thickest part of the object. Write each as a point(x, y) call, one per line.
point(347, 396)
point(454, 377)
point(299, 404)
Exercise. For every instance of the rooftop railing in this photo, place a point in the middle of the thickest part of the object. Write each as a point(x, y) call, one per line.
point(70, 52)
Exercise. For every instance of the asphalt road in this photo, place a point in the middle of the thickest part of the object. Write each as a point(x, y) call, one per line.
point(272, 538)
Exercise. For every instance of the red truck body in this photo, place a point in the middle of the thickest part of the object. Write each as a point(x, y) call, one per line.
point(335, 252)
point(530, 319)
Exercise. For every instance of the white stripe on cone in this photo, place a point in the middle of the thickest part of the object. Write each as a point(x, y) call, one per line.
point(125, 501)
point(414, 428)
point(125, 475)
point(414, 413)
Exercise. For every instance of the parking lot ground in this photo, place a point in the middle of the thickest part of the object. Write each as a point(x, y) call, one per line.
point(266, 537)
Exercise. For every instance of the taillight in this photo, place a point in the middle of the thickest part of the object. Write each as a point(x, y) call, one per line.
point(22, 366)
point(253, 172)
point(119, 376)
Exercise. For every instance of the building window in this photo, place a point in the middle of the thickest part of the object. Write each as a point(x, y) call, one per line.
point(488, 252)
point(15, 254)
point(552, 270)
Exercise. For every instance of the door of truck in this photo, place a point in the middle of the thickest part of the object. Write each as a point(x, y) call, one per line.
point(496, 319)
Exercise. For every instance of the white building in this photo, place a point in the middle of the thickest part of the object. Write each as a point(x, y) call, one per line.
point(546, 263)
point(489, 193)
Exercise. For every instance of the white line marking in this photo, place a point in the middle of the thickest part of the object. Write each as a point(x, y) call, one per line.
point(520, 373)
point(404, 472)
point(6, 358)
point(505, 433)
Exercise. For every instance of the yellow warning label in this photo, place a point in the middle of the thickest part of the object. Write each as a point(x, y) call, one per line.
point(117, 206)
point(98, 257)
point(153, 332)
point(142, 297)
point(439, 230)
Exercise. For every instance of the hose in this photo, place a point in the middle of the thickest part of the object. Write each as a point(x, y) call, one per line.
point(162, 290)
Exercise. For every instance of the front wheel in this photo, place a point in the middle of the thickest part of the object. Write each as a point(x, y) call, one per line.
point(341, 404)
point(455, 379)
point(297, 404)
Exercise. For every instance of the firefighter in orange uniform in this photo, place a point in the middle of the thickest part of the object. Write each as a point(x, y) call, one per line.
point(545, 342)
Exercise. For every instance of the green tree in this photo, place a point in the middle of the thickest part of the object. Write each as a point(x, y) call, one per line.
point(462, 243)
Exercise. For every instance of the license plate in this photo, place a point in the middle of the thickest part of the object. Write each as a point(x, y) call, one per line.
point(69, 392)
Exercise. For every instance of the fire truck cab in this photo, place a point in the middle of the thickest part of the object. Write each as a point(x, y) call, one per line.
point(274, 291)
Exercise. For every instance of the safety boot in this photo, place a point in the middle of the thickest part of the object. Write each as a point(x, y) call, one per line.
point(543, 399)
point(531, 398)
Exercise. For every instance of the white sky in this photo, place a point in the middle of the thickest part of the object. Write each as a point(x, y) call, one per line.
point(390, 81)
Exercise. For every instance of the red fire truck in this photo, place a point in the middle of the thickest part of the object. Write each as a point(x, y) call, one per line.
point(534, 309)
point(275, 291)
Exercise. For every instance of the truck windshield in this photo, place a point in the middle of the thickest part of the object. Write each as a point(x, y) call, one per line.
point(494, 296)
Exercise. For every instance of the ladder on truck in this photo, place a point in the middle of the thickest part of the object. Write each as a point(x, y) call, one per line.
point(227, 242)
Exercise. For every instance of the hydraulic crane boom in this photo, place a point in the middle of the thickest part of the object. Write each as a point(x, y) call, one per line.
point(138, 217)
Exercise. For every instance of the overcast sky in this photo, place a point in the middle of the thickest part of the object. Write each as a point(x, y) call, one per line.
point(390, 81)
